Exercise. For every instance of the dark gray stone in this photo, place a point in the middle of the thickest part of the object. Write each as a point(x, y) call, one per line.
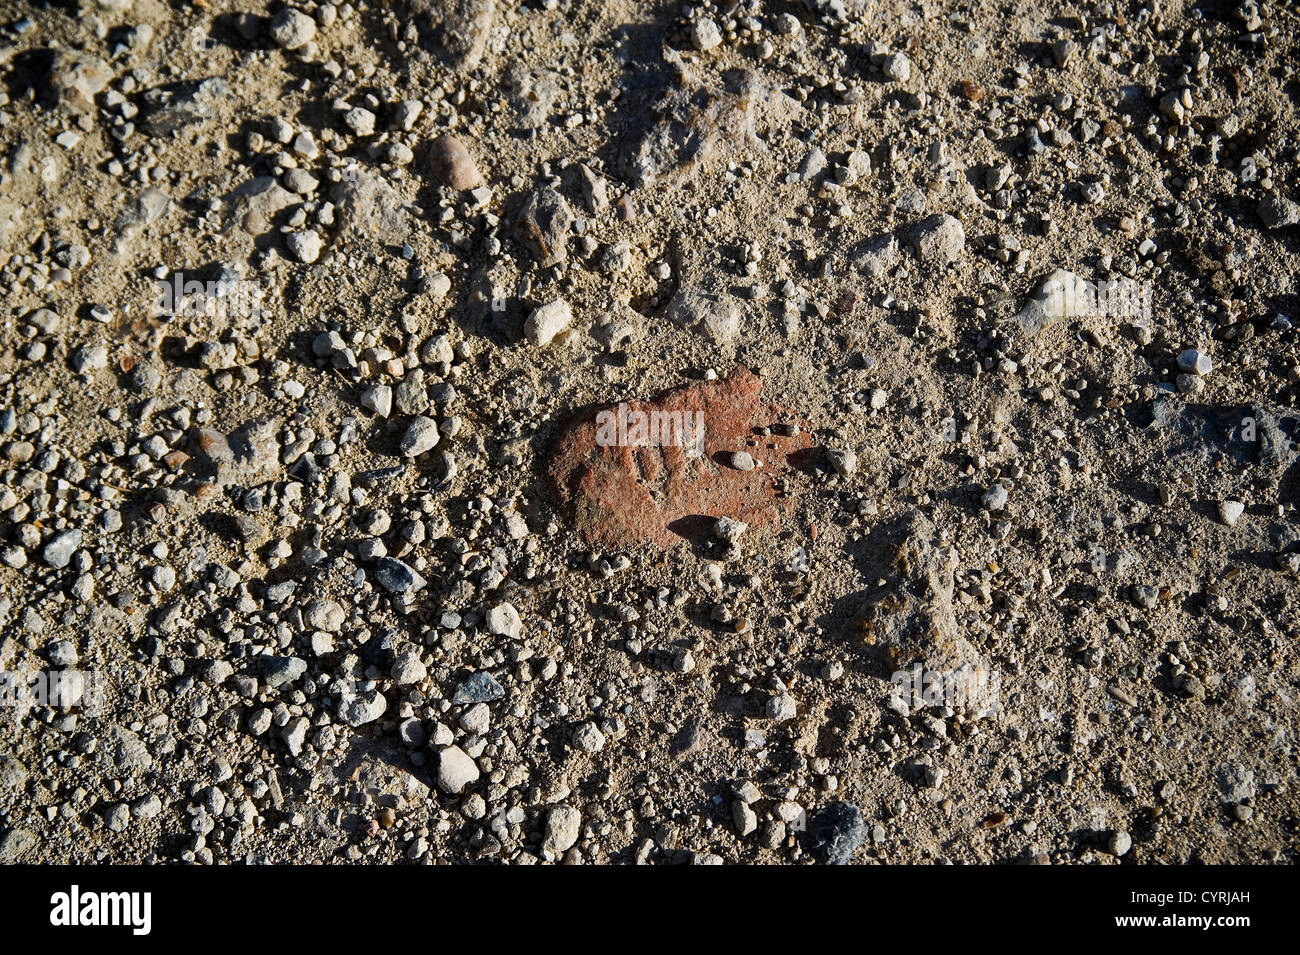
point(481, 687)
point(836, 831)
point(277, 671)
point(395, 576)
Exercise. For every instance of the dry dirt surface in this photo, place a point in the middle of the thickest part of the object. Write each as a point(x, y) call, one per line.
point(311, 549)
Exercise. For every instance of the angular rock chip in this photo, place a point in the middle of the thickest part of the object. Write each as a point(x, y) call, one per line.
point(456, 770)
point(479, 687)
point(290, 29)
point(248, 455)
point(563, 825)
point(124, 752)
point(376, 768)
point(357, 709)
point(1063, 295)
point(461, 27)
point(75, 79)
point(421, 436)
point(324, 615)
point(397, 577)
point(698, 124)
point(145, 209)
point(532, 94)
point(58, 552)
point(715, 316)
point(1278, 212)
point(876, 256)
point(939, 241)
point(911, 619)
point(544, 225)
point(253, 205)
point(171, 109)
point(276, 671)
point(370, 210)
point(503, 620)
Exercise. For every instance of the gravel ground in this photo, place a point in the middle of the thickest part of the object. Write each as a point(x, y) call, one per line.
point(986, 549)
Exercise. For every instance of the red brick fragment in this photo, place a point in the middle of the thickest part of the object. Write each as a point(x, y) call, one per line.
point(619, 495)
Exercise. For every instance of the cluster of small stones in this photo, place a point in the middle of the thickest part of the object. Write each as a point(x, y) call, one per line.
point(317, 527)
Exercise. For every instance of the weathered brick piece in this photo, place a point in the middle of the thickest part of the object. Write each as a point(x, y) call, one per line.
point(618, 496)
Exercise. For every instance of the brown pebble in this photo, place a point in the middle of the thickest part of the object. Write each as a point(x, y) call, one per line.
point(214, 445)
point(452, 164)
point(204, 492)
point(175, 460)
